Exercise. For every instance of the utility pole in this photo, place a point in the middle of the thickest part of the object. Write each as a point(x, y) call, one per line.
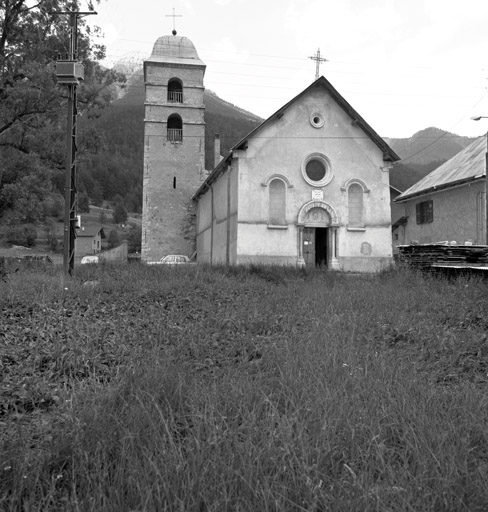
point(477, 118)
point(70, 73)
point(318, 60)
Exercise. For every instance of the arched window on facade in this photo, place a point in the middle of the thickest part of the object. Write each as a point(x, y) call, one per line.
point(175, 128)
point(175, 91)
point(355, 205)
point(277, 202)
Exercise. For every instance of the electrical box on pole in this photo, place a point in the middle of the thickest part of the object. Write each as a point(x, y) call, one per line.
point(69, 72)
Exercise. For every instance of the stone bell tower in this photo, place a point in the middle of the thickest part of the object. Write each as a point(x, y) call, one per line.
point(174, 147)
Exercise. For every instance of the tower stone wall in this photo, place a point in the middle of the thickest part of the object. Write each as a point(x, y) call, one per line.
point(173, 164)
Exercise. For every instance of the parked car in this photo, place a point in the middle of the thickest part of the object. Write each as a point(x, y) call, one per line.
point(172, 259)
point(89, 260)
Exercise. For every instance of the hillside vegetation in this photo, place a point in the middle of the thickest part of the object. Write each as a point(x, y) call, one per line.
point(115, 169)
point(422, 153)
point(242, 389)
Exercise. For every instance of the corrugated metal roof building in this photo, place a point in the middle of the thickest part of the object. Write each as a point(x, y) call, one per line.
point(449, 204)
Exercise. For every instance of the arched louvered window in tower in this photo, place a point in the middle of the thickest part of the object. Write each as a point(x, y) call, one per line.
point(355, 205)
point(175, 128)
point(175, 91)
point(277, 203)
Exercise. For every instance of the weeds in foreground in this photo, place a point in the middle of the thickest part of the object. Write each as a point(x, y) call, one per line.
point(252, 389)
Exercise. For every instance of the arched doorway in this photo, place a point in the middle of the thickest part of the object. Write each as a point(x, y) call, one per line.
point(317, 235)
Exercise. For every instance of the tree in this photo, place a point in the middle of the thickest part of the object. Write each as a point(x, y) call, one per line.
point(113, 239)
point(102, 217)
point(33, 106)
point(134, 238)
point(83, 202)
point(120, 213)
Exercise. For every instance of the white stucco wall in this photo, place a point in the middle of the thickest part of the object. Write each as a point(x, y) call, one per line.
point(459, 215)
point(216, 231)
point(281, 148)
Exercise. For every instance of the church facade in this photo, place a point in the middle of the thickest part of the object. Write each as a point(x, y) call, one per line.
point(309, 186)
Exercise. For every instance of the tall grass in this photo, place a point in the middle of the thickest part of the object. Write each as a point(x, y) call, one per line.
point(249, 389)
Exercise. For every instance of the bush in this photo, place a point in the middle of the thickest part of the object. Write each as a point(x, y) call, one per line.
point(22, 235)
point(113, 239)
point(51, 239)
point(134, 238)
point(54, 206)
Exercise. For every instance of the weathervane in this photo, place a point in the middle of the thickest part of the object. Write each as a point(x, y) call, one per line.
point(318, 59)
point(174, 21)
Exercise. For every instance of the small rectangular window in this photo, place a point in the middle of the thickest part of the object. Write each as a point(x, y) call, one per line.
point(425, 212)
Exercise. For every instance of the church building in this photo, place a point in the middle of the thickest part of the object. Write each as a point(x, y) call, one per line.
point(309, 186)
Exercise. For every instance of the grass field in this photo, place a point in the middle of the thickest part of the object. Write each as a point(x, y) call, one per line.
point(242, 389)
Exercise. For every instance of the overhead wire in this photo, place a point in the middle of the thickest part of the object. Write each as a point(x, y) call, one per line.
point(445, 133)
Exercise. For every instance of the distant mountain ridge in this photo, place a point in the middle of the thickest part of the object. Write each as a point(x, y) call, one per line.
point(430, 144)
point(423, 152)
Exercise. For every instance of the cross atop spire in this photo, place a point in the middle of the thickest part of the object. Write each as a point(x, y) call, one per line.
point(318, 59)
point(174, 21)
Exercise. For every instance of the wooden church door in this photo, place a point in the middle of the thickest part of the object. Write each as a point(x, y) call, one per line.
point(309, 246)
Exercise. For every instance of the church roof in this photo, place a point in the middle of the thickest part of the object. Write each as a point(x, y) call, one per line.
point(388, 153)
point(175, 50)
point(467, 165)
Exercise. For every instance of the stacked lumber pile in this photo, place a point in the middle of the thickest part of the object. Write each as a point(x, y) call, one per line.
point(428, 256)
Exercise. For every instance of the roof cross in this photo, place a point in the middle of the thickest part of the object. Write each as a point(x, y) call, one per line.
point(174, 21)
point(318, 59)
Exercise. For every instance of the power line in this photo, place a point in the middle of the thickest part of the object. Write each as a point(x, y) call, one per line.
point(443, 135)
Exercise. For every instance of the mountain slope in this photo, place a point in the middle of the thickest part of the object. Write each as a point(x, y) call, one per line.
point(117, 170)
point(429, 145)
point(422, 153)
point(221, 117)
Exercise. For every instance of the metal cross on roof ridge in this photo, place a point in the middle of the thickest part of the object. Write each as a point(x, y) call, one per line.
point(318, 59)
point(174, 21)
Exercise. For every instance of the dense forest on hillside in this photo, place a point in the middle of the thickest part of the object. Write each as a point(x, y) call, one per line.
point(115, 170)
point(403, 176)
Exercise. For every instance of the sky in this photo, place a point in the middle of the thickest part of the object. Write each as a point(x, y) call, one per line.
point(403, 65)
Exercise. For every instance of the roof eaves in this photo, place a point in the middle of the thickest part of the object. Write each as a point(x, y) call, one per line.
point(436, 188)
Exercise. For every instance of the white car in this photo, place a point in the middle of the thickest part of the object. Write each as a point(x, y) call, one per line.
point(89, 259)
point(172, 259)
